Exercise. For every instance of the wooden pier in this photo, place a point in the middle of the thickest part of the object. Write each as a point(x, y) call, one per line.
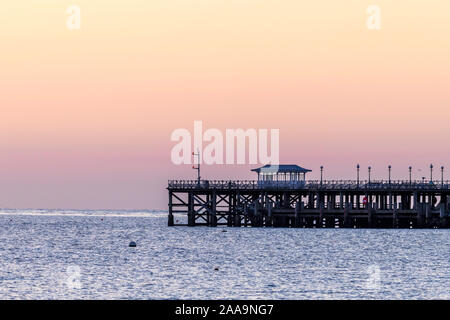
point(311, 204)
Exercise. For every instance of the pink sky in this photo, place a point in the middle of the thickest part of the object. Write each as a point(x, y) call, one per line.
point(86, 115)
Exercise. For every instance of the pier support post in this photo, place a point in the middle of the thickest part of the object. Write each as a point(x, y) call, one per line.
point(269, 213)
point(420, 215)
point(321, 209)
point(256, 215)
point(329, 217)
point(444, 200)
point(170, 222)
point(297, 215)
point(442, 215)
point(415, 200)
point(191, 213)
point(370, 216)
point(245, 215)
point(237, 219)
point(395, 221)
point(347, 215)
point(237, 213)
point(213, 215)
point(428, 217)
point(311, 200)
point(170, 218)
point(358, 200)
point(231, 212)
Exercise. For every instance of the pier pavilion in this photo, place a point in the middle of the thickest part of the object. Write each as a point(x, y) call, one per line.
point(288, 174)
point(282, 197)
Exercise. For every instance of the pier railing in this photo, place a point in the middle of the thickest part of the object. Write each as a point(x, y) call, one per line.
point(311, 184)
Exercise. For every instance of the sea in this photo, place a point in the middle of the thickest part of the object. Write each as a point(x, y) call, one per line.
point(85, 254)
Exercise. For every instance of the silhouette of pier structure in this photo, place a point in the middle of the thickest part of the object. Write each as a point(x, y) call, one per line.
point(282, 197)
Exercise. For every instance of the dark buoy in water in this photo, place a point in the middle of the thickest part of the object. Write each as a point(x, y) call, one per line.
point(223, 230)
point(216, 268)
point(132, 244)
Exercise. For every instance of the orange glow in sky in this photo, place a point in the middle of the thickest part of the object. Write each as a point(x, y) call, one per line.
point(86, 115)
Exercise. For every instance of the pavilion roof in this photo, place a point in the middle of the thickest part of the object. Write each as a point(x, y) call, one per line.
point(281, 168)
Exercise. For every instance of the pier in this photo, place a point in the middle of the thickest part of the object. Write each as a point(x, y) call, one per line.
point(282, 197)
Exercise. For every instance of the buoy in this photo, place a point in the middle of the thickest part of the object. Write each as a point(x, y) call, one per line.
point(223, 230)
point(216, 268)
point(132, 244)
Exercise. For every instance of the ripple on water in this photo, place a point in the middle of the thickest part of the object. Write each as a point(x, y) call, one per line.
point(75, 255)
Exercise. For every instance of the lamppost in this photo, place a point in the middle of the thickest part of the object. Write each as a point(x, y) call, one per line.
point(198, 166)
point(410, 176)
point(321, 175)
point(431, 173)
point(442, 176)
point(357, 175)
point(389, 167)
point(370, 168)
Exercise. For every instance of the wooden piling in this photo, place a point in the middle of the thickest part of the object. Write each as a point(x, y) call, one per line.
point(321, 209)
point(370, 217)
point(395, 222)
point(297, 215)
point(170, 221)
point(269, 221)
point(213, 216)
point(230, 216)
point(428, 218)
point(347, 215)
point(442, 215)
point(191, 213)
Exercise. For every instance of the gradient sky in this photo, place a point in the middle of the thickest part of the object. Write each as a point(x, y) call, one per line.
point(86, 115)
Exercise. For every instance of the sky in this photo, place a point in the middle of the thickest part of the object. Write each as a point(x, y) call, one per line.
point(87, 114)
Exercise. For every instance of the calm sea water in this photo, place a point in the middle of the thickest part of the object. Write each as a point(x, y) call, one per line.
point(85, 255)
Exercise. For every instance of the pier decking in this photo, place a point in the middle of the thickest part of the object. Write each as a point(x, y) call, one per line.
point(299, 203)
